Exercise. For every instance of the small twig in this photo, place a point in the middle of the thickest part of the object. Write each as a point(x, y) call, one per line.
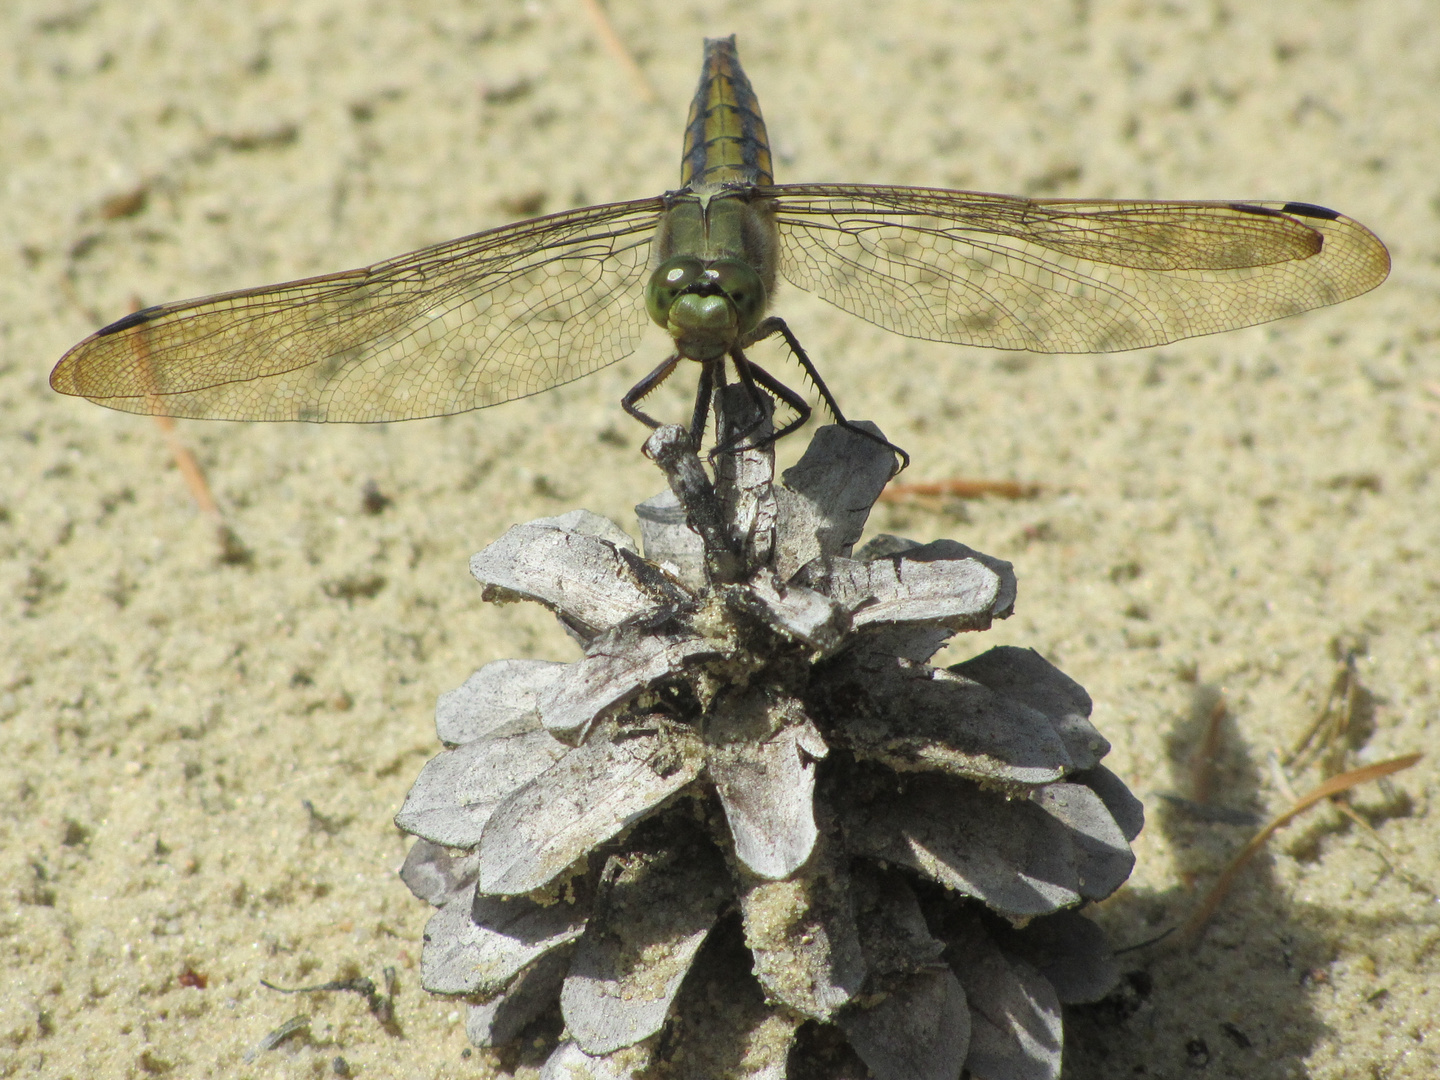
point(1354, 815)
point(1334, 786)
point(1146, 943)
point(1325, 741)
point(1387, 854)
point(1202, 762)
point(960, 489)
point(611, 40)
point(1333, 720)
point(381, 1006)
point(232, 551)
point(1281, 777)
point(279, 1035)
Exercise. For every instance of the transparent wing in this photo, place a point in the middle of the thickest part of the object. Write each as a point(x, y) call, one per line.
point(461, 325)
point(1065, 276)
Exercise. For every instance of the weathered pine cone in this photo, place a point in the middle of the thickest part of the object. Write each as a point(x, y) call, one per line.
point(752, 833)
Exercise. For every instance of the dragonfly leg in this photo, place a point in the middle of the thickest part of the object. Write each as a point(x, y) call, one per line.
point(637, 392)
point(754, 374)
point(777, 325)
point(750, 374)
point(703, 392)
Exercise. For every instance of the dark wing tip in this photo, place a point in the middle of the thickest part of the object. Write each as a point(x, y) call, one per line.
point(1305, 209)
point(1293, 209)
point(135, 318)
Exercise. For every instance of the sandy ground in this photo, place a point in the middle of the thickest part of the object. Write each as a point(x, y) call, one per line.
point(199, 761)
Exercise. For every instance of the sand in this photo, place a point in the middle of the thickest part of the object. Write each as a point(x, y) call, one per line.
point(199, 761)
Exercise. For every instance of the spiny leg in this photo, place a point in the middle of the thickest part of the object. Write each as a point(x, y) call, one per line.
point(756, 376)
point(637, 392)
point(745, 367)
point(703, 392)
point(776, 325)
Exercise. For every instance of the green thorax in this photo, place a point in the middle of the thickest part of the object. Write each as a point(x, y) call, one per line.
point(715, 248)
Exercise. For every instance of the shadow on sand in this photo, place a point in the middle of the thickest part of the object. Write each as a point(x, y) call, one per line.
point(1234, 1002)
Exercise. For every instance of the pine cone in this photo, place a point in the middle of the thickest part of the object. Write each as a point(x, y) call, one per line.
point(752, 833)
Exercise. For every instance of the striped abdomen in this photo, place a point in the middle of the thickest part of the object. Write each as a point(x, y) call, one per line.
point(725, 139)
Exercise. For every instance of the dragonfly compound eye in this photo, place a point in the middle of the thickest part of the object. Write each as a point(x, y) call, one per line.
point(670, 279)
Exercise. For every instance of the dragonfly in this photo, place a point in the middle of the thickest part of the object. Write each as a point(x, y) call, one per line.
point(521, 309)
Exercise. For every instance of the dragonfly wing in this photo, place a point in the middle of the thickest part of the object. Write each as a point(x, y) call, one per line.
point(462, 325)
point(1062, 276)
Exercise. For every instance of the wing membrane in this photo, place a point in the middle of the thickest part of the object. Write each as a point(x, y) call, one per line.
point(1066, 275)
point(462, 325)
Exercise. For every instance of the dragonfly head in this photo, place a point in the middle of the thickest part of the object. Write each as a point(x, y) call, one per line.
point(706, 305)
